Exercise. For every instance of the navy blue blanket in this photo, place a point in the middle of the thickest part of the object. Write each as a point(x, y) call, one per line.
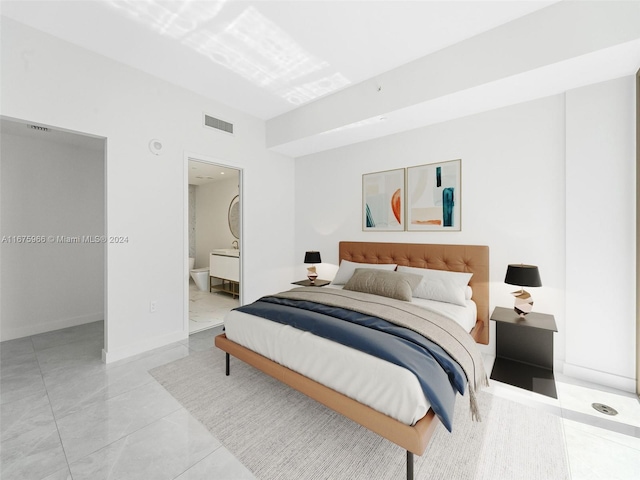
point(439, 375)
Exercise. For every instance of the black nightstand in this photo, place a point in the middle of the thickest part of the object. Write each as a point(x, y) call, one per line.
point(307, 283)
point(524, 350)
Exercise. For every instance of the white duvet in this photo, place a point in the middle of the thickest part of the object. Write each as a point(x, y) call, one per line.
point(383, 386)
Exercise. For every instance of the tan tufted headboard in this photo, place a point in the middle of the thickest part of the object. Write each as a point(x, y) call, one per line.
point(458, 258)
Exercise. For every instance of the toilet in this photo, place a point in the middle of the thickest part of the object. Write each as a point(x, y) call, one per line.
point(201, 277)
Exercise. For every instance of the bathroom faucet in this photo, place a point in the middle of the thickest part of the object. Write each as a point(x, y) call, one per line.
point(234, 244)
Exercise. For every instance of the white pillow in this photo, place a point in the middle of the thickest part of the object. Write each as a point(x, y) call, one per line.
point(441, 285)
point(347, 269)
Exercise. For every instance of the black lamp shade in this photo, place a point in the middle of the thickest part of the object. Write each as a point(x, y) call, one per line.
point(312, 257)
point(523, 276)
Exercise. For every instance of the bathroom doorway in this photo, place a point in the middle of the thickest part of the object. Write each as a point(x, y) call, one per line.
point(214, 241)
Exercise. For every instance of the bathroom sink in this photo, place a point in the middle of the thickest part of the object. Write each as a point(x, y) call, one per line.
point(227, 252)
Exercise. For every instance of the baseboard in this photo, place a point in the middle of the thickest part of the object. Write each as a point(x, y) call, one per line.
point(9, 333)
point(601, 378)
point(142, 347)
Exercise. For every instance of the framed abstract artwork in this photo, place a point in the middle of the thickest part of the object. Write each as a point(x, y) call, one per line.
point(433, 197)
point(383, 201)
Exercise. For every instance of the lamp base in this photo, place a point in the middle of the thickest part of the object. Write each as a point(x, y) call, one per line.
point(523, 302)
point(312, 275)
point(522, 313)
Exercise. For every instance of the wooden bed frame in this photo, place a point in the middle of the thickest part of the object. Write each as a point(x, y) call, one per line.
point(414, 439)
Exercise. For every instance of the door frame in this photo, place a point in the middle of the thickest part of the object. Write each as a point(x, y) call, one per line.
point(197, 157)
point(638, 234)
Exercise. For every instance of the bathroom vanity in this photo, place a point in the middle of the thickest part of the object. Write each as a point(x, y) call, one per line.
point(224, 265)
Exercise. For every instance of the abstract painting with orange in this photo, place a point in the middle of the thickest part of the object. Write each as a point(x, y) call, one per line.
point(396, 204)
point(383, 200)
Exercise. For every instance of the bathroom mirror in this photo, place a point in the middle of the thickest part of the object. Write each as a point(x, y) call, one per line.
point(234, 216)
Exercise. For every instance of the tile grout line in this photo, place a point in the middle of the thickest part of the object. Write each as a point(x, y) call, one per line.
point(53, 416)
point(567, 457)
point(203, 458)
point(56, 419)
point(124, 436)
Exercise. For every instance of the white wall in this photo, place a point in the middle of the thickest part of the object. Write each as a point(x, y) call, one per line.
point(601, 239)
point(55, 83)
point(212, 225)
point(515, 200)
point(512, 177)
point(50, 190)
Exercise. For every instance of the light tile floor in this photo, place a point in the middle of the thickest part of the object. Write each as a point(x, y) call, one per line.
point(206, 309)
point(66, 415)
point(599, 446)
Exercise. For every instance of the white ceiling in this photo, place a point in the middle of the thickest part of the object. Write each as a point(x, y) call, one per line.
point(197, 44)
point(268, 58)
point(201, 173)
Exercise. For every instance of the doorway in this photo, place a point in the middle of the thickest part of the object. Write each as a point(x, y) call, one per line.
point(53, 219)
point(213, 246)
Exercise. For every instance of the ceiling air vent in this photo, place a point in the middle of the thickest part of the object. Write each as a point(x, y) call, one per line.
point(39, 128)
point(218, 124)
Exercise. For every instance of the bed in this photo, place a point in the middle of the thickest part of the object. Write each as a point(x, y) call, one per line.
point(409, 432)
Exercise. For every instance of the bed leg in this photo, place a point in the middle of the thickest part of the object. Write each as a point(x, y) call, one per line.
point(409, 465)
point(227, 364)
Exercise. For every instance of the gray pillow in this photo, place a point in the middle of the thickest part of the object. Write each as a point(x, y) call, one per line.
point(384, 283)
point(347, 268)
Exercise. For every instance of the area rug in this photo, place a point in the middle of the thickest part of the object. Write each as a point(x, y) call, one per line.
point(279, 434)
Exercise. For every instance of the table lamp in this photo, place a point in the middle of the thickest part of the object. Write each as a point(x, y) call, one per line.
point(313, 258)
point(523, 276)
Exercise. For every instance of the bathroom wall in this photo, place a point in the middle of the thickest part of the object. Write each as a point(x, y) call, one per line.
point(212, 205)
point(54, 192)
